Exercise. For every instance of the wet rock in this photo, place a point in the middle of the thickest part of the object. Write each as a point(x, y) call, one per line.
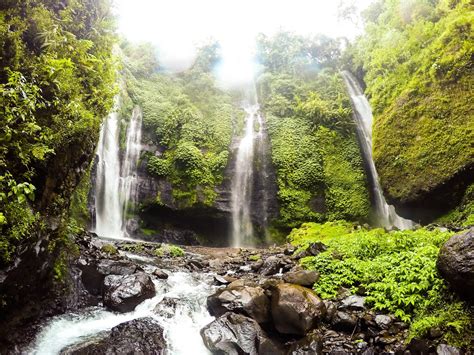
point(311, 344)
point(250, 301)
point(116, 267)
point(160, 274)
point(301, 277)
point(444, 349)
point(354, 302)
point(271, 265)
point(295, 309)
point(311, 250)
point(257, 265)
point(383, 321)
point(122, 293)
point(220, 280)
point(456, 263)
point(331, 310)
point(236, 334)
point(344, 321)
point(166, 307)
point(142, 336)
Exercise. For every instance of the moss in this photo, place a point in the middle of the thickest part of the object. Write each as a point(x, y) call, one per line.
point(462, 215)
point(255, 257)
point(169, 250)
point(109, 249)
point(79, 209)
point(419, 78)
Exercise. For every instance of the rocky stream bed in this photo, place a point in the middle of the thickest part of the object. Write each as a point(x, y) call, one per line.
point(132, 299)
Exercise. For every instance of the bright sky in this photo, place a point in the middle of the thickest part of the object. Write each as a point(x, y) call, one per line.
point(177, 26)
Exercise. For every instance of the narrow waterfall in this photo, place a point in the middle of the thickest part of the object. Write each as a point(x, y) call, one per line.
point(108, 206)
point(116, 179)
point(128, 182)
point(385, 214)
point(242, 183)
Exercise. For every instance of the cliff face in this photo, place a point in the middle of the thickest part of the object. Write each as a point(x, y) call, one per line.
point(419, 77)
point(163, 218)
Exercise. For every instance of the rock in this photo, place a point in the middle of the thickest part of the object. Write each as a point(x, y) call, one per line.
point(160, 274)
point(456, 263)
point(116, 267)
point(122, 293)
point(257, 265)
point(220, 280)
point(354, 302)
point(311, 344)
point(140, 336)
point(235, 334)
point(250, 301)
point(344, 321)
point(302, 277)
point(295, 309)
point(383, 321)
point(166, 307)
point(330, 311)
point(311, 250)
point(444, 349)
point(271, 265)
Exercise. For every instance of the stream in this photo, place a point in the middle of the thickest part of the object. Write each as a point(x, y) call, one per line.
point(181, 325)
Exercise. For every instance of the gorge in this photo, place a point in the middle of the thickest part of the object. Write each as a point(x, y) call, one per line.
point(321, 200)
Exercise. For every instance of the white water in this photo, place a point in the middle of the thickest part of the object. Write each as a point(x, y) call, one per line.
point(108, 208)
point(181, 330)
point(241, 189)
point(386, 215)
point(128, 181)
point(115, 180)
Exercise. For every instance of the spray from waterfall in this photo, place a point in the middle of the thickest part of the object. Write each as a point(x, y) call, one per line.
point(115, 189)
point(385, 214)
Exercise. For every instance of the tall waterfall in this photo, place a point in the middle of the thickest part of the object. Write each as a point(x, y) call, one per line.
point(115, 179)
point(385, 213)
point(242, 183)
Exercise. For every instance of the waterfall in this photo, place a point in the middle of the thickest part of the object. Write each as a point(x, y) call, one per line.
point(242, 183)
point(115, 179)
point(385, 214)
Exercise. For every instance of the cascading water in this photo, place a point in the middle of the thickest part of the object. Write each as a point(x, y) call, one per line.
point(108, 207)
point(242, 183)
point(116, 180)
point(128, 181)
point(385, 213)
point(181, 325)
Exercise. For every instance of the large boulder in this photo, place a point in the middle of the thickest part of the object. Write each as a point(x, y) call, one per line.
point(236, 334)
point(122, 293)
point(250, 301)
point(295, 309)
point(302, 277)
point(140, 336)
point(456, 263)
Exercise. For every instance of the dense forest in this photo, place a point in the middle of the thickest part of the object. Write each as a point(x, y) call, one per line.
point(321, 271)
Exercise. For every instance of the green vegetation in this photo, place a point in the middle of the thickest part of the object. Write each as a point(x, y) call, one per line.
point(169, 250)
point(462, 215)
point(396, 271)
point(191, 121)
point(418, 62)
point(56, 84)
point(320, 173)
point(109, 249)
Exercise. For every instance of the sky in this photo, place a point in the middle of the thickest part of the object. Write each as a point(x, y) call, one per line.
point(176, 27)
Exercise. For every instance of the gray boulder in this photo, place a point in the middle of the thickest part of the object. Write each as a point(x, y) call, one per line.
point(302, 277)
point(142, 336)
point(456, 263)
point(122, 293)
point(295, 309)
point(248, 300)
point(235, 334)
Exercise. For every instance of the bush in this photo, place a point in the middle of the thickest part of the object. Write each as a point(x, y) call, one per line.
point(395, 270)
